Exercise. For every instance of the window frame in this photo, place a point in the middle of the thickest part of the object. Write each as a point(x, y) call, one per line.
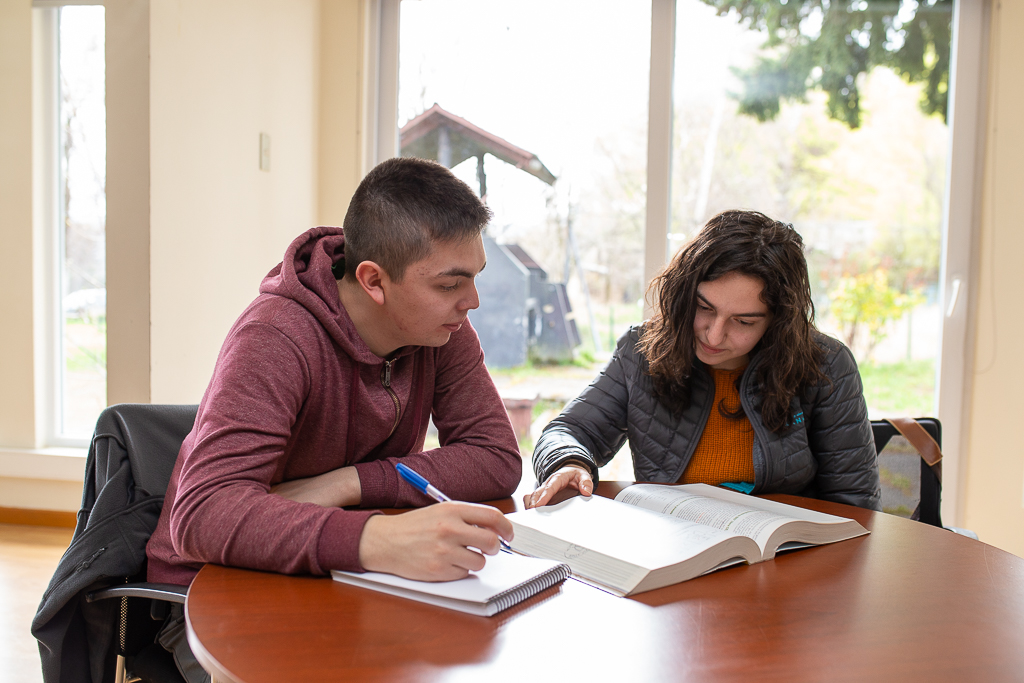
point(961, 234)
point(380, 82)
point(48, 178)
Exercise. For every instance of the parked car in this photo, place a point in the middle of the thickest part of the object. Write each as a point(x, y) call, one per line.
point(86, 304)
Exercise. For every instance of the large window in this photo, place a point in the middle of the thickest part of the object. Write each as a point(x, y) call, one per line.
point(78, 195)
point(851, 159)
point(853, 153)
point(858, 168)
point(567, 82)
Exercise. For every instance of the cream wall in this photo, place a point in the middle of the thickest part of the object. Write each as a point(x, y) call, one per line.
point(128, 201)
point(193, 223)
point(343, 25)
point(220, 74)
point(994, 496)
point(17, 320)
point(30, 477)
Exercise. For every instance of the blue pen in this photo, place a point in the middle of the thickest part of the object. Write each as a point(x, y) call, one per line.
point(424, 486)
point(420, 483)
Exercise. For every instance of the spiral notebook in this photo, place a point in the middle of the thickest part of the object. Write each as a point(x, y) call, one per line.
point(504, 581)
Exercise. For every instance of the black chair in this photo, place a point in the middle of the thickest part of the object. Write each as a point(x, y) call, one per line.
point(910, 467)
point(83, 634)
point(911, 486)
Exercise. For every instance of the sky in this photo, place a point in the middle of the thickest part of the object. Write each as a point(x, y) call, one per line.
point(83, 88)
point(566, 80)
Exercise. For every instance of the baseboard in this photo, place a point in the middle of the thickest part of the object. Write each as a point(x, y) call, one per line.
point(58, 518)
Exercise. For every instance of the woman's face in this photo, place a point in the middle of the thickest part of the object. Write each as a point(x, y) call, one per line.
point(730, 320)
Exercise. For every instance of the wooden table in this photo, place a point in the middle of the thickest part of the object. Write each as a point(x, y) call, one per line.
point(907, 602)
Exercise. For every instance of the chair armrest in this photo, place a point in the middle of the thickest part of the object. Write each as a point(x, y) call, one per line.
point(169, 592)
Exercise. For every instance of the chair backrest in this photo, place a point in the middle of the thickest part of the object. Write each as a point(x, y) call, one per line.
point(910, 487)
point(128, 468)
point(152, 435)
point(133, 451)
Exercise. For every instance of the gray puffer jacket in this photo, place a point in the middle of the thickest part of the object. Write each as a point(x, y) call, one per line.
point(828, 453)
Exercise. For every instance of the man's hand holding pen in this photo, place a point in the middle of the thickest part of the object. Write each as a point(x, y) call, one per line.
point(434, 543)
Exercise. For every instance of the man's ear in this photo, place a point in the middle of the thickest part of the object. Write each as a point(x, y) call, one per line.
point(371, 278)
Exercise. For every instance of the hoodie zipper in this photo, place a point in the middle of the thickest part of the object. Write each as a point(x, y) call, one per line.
point(385, 379)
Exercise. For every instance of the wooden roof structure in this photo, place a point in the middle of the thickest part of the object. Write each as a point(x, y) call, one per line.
point(450, 139)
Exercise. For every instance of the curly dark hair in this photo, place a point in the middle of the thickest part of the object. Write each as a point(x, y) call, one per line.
point(753, 244)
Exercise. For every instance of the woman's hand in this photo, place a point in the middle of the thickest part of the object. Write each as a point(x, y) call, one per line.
point(569, 475)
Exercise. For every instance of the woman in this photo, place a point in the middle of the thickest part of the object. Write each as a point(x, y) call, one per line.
point(729, 383)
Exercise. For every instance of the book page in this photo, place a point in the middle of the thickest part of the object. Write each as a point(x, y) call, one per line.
point(599, 525)
point(678, 502)
point(764, 504)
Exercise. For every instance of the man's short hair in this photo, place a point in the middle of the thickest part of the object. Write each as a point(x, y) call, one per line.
point(401, 208)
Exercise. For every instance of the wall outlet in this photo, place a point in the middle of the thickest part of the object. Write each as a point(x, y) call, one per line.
point(264, 151)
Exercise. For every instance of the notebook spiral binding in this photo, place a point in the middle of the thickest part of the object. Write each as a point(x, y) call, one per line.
point(527, 589)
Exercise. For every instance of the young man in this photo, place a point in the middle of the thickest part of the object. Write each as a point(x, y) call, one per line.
point(329, 378)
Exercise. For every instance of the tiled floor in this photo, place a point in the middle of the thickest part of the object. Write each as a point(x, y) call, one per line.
point(28, 556)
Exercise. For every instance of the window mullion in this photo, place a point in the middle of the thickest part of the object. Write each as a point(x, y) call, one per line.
point(659, 139)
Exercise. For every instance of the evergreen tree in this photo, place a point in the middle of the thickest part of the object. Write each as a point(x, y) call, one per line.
point(912, 38)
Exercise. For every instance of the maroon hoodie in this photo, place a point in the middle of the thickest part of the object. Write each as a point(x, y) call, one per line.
point(297, 393)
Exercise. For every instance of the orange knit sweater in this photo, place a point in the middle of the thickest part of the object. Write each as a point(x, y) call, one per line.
point(725, 451)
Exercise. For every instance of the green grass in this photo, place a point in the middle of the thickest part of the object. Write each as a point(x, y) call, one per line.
point(79, 359)
point(533, 369)
point(906, 388)
point(903, 388)
point(897, 481)
point(611, 322)
point(543, 405)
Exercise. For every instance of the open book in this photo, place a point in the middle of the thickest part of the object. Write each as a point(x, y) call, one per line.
point(652, 535)
point(505, 580)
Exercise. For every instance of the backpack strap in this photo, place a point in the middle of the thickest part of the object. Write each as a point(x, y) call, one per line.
point(921, 440)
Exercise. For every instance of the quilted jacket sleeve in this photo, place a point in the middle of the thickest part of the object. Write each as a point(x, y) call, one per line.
point(840, 436)
point(592, 428)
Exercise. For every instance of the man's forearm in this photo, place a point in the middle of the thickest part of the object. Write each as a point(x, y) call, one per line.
point(337, 488)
